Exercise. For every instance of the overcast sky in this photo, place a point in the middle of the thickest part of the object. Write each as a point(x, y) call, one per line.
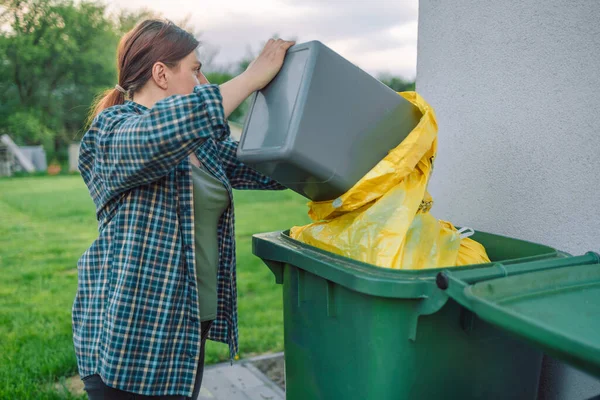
point(379, 36)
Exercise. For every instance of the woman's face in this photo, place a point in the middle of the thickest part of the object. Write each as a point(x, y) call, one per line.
point(186, 75)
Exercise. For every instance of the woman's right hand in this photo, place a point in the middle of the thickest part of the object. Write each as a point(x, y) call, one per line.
point(265, 67)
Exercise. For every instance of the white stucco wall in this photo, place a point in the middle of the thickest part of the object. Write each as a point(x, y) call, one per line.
point(516, 89)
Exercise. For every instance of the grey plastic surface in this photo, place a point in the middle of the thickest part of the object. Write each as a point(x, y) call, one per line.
point(322, 123)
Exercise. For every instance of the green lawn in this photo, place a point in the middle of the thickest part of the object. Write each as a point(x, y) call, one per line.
point(45, 225)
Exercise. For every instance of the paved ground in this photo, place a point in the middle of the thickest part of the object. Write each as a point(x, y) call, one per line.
point(242, 381)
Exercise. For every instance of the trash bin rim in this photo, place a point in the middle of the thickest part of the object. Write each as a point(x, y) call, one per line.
point(278, 248)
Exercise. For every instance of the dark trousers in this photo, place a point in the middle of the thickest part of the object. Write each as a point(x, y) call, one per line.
point(97, 390)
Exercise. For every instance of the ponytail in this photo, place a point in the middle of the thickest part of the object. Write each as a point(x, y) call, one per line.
point(108, 98)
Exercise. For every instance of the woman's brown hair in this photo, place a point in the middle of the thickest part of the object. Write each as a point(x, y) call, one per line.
point(150, 41)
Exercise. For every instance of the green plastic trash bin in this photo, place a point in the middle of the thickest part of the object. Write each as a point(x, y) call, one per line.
point(354, 331)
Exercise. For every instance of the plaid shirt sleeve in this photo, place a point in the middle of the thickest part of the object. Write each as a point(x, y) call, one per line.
point(240, 175)
point(138, 150)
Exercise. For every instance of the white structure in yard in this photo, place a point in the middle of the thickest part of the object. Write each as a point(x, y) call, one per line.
point(13, 158)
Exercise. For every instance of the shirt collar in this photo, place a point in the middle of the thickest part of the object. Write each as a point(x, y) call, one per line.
point(137, 107)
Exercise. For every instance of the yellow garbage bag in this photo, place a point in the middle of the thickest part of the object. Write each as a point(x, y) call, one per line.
point(384, 219)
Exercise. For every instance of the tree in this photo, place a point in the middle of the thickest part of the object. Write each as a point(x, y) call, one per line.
point(126, 20)
point(57, 54)
point(55, 58)
point(396, 83)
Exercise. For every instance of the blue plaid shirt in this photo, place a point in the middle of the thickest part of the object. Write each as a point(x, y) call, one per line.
point(135, 315)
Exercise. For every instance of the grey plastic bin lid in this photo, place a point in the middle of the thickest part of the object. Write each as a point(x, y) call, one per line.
point(322, 123)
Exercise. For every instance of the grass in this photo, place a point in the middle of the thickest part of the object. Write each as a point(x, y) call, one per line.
point(46, 223)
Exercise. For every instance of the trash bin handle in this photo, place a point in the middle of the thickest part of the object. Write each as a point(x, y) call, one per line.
point(499, 270)
point(276, 268)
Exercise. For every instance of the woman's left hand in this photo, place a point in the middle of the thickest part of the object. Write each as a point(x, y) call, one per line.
point(265, 67)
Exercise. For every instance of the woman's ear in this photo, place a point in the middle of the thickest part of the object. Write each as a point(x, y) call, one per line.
point(159, 74)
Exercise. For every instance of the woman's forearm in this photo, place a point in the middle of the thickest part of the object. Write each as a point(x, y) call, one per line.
point(258, 74)
point(235, 91)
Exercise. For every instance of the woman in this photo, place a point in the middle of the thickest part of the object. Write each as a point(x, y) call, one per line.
point(160, 167)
